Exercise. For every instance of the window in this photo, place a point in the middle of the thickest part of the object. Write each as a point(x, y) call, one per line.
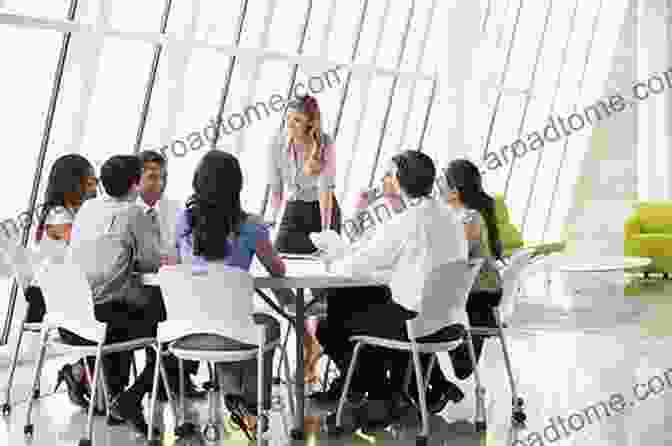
point(25, 86)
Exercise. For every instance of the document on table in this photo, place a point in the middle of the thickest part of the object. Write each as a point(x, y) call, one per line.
point(330, 244)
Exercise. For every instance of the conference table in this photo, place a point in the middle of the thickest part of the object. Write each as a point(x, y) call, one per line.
point(303, 272)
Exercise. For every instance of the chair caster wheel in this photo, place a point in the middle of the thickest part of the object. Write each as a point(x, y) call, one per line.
point(36, 394)
point(297, 434)
point(211, 433)
point(480, 427)
point(84, 442)
point(28, 430)
point(6, 409)
point(185, 429)
point(420, 441)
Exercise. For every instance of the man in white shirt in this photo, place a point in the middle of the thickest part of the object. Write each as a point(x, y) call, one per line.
point(403, 251)
point(164, 213)
point(113, 239)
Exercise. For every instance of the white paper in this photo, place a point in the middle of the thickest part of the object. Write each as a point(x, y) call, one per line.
point(330, 244)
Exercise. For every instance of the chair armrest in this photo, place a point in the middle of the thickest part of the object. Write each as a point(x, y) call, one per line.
point(633, 227)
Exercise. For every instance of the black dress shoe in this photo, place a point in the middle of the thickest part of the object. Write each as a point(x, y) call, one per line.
point(333, 394)
point(129, 409)
point(439, 396)
point(193, 392)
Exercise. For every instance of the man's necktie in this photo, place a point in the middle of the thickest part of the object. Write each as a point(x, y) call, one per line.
point(155, 220)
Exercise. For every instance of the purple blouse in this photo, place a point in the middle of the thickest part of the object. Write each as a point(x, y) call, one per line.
point(243, 247)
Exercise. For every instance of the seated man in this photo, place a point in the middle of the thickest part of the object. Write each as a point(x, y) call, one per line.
point(113, 239)
point(164, 212)
point(406, 248)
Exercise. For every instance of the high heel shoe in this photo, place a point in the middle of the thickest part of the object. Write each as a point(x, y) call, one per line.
point(76, 390)
point(240, 416)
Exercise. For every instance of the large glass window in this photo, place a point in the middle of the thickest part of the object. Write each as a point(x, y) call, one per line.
point(185, 131)
point(105, 81)
point(53, 9)
point(26, 81)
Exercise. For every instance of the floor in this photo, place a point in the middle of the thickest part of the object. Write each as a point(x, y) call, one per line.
point(592, 370)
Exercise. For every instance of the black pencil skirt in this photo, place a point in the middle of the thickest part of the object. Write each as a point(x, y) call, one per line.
point(300, 219)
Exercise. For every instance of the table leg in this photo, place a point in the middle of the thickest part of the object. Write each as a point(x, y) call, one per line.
point(297, 432)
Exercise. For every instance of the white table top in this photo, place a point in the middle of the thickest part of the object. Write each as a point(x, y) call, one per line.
point(593, 263)
point(301, 273)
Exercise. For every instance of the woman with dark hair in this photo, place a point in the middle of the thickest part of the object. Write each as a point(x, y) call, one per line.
point(71, 181)
point(215, 229)
point(476, 209)
point(303, 172)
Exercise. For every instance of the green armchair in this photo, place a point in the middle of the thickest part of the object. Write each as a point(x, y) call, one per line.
point(511, 237)
point(648, 233)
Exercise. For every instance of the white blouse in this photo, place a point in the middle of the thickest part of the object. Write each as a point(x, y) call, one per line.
point(48, 250)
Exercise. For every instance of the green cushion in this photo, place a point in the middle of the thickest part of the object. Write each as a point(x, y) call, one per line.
point(655, 216)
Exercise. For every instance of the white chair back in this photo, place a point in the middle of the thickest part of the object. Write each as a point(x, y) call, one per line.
point(511, 280)
point(444, 298)
point(69, 302)
point(220, 302)
point(19, 262)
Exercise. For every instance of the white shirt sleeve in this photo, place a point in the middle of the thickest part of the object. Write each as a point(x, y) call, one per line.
point(378, 254)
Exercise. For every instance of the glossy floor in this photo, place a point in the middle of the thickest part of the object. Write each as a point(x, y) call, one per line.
point(592, 370)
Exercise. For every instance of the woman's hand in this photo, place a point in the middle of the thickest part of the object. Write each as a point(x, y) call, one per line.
point(362, 200)
point(168, 260)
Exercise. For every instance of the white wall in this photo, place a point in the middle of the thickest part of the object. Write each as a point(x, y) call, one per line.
point(655, 160)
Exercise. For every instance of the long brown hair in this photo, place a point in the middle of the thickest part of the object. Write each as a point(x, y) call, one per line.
point(313, 161)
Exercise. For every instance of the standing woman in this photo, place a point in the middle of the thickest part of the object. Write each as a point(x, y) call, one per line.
point(71, 181)
point(303, 172)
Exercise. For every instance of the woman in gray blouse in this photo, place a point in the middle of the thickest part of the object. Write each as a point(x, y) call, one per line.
point(303, 172)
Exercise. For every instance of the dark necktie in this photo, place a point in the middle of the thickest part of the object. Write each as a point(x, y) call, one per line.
point(155, 220)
